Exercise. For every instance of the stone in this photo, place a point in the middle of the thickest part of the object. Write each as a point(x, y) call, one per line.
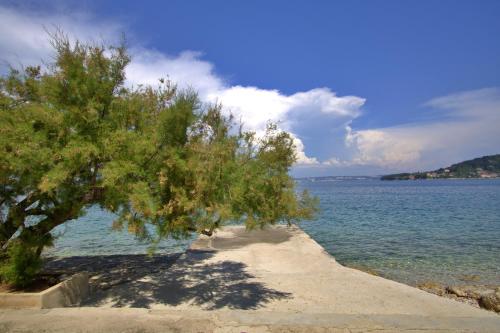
point(473, 292)
point(490, 302)
point(477, 292)
point(432, 287)
point(456, 290)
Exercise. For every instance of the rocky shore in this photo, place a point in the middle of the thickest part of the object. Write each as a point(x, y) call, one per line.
point(481, 296)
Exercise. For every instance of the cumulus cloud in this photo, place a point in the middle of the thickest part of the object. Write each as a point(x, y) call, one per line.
point(302, 158)
point(469, 129)
point(258, 106)
point(187, 69)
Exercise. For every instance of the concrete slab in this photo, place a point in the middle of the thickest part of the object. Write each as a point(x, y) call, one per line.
point(279, 269)
point(274, 280)
point(131, 320)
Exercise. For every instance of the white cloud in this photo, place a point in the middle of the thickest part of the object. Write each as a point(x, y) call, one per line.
point(328, 102)
point(302, 158)
point(470, 129)
point(333, 161)
point(258, 106)
point(187, 69)
point(24, 40)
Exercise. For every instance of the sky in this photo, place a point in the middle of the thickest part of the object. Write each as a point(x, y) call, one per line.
point(364, 87)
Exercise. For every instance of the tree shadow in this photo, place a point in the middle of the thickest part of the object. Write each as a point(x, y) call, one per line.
point(242, 237)
point(190, 280)
point(175, 279)
point(109, 268)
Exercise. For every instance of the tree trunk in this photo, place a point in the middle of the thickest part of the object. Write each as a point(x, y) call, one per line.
point(7, 230)
point(15, 218)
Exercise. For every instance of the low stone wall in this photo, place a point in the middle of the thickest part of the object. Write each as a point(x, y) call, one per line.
point(67, 293)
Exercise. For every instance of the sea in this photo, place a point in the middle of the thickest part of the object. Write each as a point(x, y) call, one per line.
point(443, 230)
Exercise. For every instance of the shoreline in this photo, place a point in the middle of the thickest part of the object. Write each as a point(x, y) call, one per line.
point(448, 178)
point(466, 293)
point(469, 293)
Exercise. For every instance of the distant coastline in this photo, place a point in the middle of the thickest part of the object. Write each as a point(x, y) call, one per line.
point(419, 176)
point(336, 178)
point(486, 167)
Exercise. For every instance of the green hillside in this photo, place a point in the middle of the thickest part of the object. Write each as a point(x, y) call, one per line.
point(481, 167)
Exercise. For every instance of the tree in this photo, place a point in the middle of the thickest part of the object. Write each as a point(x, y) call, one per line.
point(73, 135)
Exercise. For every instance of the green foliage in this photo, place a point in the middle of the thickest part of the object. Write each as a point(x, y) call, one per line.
point(21, 264)
point(73, 135)
point(467, 169)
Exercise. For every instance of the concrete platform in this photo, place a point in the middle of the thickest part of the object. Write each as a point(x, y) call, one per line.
point(274, 280)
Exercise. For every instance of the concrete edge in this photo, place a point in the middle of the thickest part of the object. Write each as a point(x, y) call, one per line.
point(69, 292)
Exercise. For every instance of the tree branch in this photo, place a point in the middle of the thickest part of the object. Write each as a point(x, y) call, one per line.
point(15, 218)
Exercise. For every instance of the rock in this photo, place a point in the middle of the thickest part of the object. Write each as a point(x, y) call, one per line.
point(456, 290)
point(477, 292)
point(432, 287)
point(473, 292)
point(490, 302)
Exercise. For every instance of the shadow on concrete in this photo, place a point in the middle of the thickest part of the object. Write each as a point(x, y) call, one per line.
point(242, 238)
point(110, 268)
point(159, 281)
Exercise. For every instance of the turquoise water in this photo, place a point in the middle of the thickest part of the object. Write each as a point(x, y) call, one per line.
point(409, 231)
point(92, 234)
point(412, 231)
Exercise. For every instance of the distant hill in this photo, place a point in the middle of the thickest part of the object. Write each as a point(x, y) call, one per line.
point(335, 178)
point(482, 167)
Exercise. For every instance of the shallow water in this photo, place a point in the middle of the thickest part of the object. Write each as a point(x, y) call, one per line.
point(411, 231)
point(92, 234)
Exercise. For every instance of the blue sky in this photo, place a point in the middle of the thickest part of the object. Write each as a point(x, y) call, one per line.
point(366, 87)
